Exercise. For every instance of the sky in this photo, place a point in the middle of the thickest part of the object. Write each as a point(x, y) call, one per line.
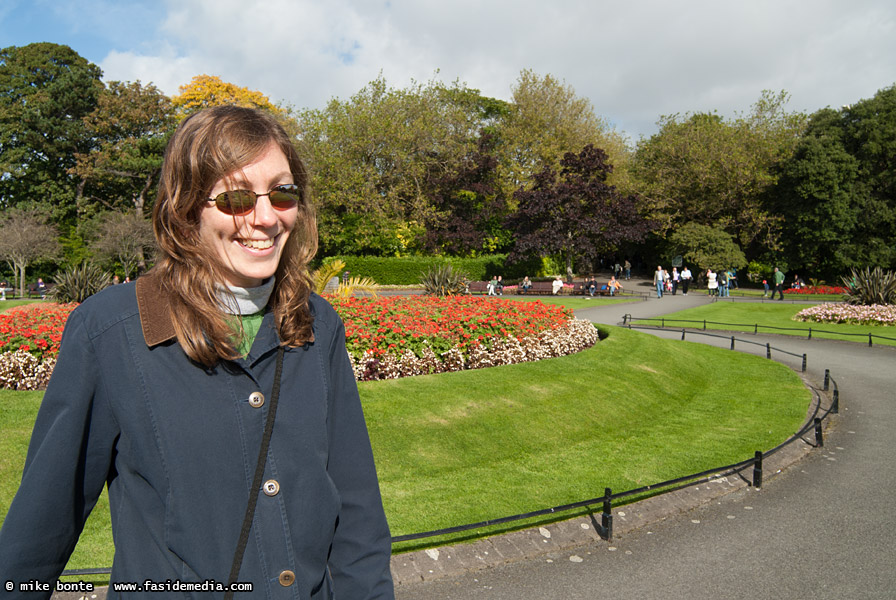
point(635, 60)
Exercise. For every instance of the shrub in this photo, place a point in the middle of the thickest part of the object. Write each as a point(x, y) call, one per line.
point(867, 287)
point(443, 280)
point(78, 283)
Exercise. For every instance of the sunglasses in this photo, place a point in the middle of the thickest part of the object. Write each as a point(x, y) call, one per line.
point(242, 202)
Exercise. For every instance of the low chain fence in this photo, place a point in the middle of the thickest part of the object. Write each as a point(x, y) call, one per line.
point(702, 323)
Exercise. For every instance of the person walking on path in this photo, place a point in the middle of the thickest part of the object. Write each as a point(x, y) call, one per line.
point(659, 279)
point(779, 284)
point(685, 280)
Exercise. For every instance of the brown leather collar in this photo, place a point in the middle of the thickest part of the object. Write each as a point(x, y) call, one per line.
point(155, 310)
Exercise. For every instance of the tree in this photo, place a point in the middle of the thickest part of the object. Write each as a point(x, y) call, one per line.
point(373, 157)
point(130, 128)
point(707, 247)
point(703, 169)
point(575, 214)
point(469, 207)
point(123, 238)
point(837, 194)
point(208, 90)
point(26, 237)
point(45, 91)
point(545, 121)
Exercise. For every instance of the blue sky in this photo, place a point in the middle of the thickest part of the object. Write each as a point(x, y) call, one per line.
point(635, 60)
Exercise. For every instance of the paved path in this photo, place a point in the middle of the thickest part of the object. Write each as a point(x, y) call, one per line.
point(818, 530)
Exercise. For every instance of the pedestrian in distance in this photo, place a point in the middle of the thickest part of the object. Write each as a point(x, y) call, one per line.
point(778, 277)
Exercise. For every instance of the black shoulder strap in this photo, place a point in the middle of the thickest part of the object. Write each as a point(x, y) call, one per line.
point(259, 474)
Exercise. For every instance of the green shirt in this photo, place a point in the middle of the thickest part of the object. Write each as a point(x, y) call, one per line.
point(249, 326)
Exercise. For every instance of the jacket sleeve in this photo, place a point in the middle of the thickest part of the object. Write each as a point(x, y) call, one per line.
point(361, 553)
point(66, 467)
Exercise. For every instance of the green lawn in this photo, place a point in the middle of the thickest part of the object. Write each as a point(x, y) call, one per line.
point(768, 315)
point(574, 302)
point(463, 447)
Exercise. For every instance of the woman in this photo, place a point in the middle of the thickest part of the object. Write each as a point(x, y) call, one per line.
point(168, 389)
point(712, 282)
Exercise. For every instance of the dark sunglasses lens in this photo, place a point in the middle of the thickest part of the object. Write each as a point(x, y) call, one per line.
point(285, 196)
point(236, 202)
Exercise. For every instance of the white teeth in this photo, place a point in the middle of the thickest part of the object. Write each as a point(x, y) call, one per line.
point(257, 244)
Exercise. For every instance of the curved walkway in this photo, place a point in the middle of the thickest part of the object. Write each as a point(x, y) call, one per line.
point(820, 529)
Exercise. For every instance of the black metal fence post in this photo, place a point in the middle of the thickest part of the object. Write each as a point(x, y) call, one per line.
point(606, 518)
point(804, 363)
point(768, 350)
point(682, 333)
point(827, 379)
point(819, 436)
point(757, 470)
point(835, 406)
point(870, 340)
point(732, 342)
point(810, 333)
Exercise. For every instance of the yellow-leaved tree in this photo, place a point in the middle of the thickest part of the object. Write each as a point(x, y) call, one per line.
point(208, 90)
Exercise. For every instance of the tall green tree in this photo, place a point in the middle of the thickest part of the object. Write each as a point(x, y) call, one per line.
point(837, 195)
point(45, 91)
point(130, 128)
point(546, 120)
point(575, 213)
point(374, 155)
point(704, 169)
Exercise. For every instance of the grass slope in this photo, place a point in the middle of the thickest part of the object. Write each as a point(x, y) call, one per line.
point(462, 447)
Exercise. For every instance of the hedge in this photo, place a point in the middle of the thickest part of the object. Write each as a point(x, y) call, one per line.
point(409, 270)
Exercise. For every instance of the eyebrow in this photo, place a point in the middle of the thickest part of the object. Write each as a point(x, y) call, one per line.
point(242, 184)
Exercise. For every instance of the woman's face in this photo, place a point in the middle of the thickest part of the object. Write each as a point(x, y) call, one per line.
point(250, 246)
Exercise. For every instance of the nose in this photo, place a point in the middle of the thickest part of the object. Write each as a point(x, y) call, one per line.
point(264, 214)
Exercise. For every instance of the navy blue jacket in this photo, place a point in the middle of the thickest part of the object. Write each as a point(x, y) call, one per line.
point(178, 444)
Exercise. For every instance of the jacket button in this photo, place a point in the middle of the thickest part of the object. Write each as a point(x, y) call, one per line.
point(271, 487)
point(256, 399)
point(287, 578)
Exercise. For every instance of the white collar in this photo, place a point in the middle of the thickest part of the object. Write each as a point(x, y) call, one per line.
point(245, 301)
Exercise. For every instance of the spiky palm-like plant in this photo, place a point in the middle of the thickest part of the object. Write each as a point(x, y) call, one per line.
point(443, 280)
point(869, 287)
point(334, 268)
point(76, 284)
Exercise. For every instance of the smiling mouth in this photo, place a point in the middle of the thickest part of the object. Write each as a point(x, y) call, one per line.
point(257, 244)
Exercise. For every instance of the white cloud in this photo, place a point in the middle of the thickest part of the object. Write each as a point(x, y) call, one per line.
point(634, 60)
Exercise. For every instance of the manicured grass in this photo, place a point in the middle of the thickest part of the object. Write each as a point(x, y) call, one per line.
point(745, 315)
point(7, 304)
point(573, 302)
point(463, 447)
point(17, 413)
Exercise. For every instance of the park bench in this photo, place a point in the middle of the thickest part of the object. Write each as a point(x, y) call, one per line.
point(477, 287)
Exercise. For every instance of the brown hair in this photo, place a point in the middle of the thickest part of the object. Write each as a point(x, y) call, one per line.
point(207, 147)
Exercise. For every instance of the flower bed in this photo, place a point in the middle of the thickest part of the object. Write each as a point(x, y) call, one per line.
point(29, 342)
point(876, 314)
point(34, 328)
point(402, 336)
point(386, 337)
point(818, 289)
